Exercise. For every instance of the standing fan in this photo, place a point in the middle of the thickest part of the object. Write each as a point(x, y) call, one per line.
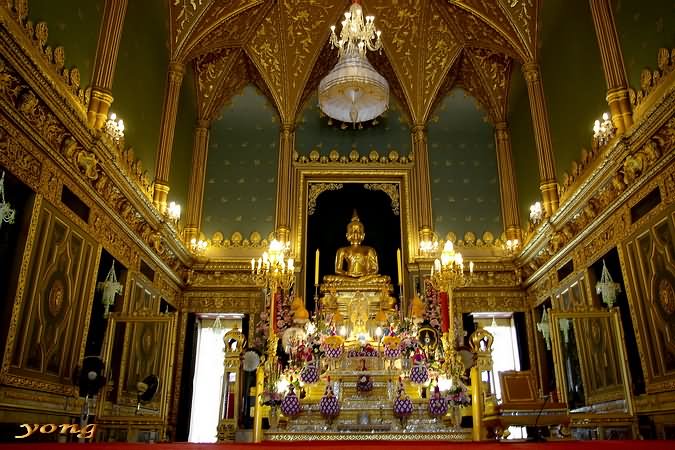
point(89, 378)
point(146, 390)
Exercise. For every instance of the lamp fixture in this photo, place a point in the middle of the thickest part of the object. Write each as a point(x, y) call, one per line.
point(606, 287)
point(173, 212)
point(110, 287)
point(603, 130)
point(115, 128)
point(447, 273)
point(274, 270)
point(6, 212)
point(353, 91)
point(544, 327)
point(428, 242)
point(198, 246)
point(536, 213)
point(511, 246)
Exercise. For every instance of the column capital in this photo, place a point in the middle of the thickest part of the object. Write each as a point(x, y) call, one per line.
point(531, 71)
point(176, 67)
point(203, 123)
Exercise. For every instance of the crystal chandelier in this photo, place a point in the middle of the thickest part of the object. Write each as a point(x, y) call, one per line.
point(536, 213)
point(272, 270)
point(448, 271)
point(353, 91)
point(6, 212)
point(173, 213)
point(606, 287)
point(110, 288)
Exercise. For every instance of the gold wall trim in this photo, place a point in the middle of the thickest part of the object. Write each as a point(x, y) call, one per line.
point(391, 189)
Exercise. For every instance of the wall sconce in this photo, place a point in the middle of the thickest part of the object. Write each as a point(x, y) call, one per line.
point(198, 247)
point(110, 288)
point(544, 327)
point(115, 128)
point(606, 287)
point(603, 130)
point(173, 213)
point(6, 212)
point(564, 325)
point(511, 246)
point(536, 213)
point(428, 242)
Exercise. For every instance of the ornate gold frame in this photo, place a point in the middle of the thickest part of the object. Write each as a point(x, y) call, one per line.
point(165, 372)
point(618, 341)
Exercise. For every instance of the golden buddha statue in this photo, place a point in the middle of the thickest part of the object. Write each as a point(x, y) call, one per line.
point(356, 262)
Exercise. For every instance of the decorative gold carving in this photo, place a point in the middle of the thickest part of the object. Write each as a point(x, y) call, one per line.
point(391, 189)
point(184, 14)
point(649, 79)
point(524, 14)
point(494, 71)
point(354, 157)
point(666, 296)
point(316, 189)
point(237, 240)
point(37, 35)
point(211, 70)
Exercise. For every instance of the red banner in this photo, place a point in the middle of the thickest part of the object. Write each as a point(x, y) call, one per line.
point(444, 301)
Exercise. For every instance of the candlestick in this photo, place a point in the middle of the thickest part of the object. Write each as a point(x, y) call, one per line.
point(316, 268)
point(398, 265)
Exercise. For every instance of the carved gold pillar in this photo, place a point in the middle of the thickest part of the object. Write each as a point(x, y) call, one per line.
point(421, 186)
point(285, 181)
point(174, 80)
point(612, 64)
point(200, 152)
point(109, 36)
point(508, 192)
point(548, 184)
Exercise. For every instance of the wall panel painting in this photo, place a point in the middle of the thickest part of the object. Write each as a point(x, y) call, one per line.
point(55, 305)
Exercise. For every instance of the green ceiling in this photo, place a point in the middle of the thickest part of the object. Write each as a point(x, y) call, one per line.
point(313, 132)
point(240, 187)
point(183, 141)
point(463, 168)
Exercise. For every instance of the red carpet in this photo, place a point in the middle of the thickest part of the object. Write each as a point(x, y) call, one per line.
point(361, 445)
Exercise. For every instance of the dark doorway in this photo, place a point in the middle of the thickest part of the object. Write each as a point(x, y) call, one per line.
point(326, 230)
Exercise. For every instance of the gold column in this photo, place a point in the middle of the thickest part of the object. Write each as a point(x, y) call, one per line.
point(174, 80)
point(200, 152)
point(612, 64)
point(548, 184)
point(285, 181)
point(421, 186)
point(109, 36)
point(508, 192)
point(476, 404)
point(257, 412)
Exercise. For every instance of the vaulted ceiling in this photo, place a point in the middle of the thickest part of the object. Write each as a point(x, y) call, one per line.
point(281, 46)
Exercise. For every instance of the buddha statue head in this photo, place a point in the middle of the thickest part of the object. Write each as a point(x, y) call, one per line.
point(355, 230)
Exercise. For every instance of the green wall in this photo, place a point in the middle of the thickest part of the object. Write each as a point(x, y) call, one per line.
point(73, 24)
point(240, 187)
point(183, 141)
point(313, 132)
point(463, 168)
point(140, 77)
point(575, 90)
point(643, 28)
point(523, 146)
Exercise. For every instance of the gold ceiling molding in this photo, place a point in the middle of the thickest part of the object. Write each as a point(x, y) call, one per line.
point(15, 12)
point(213, 24)
point(210, 72)
point(494, 71)
point(183, 16)
point(391, 189)
point(237, 240)
point(234, 33)
point(316, 189)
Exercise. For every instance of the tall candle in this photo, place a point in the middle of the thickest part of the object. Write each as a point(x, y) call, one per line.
point(398, 266)
point(316, 268)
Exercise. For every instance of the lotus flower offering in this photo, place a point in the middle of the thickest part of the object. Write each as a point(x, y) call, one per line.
point(419, 373)
point(438, 406)
point(290, 405)
point(392, 348)
point(309, 374)
point(329, 405)
point(333, 346)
